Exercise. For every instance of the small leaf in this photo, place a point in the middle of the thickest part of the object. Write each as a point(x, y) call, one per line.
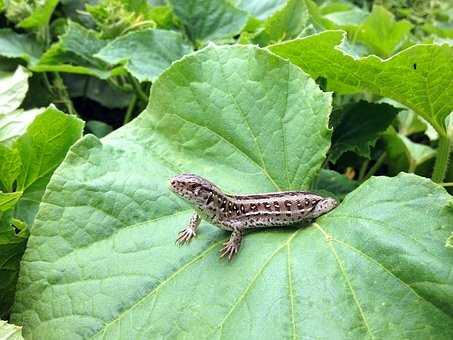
point(12, 126)
point(32, 144)
point(403, 154)
point(206, 20)
point(74, 53)
point(410, 123)
point(284, 24)
point(41, 14)
point(11, 249)
point(331, 183)
point(381, 33)
point(10, 332)
point(425, 89)
point(14, 45)
point(359, 128)
point(98, 128)
point(13, 88)
point(97, 90)
point(145, 53)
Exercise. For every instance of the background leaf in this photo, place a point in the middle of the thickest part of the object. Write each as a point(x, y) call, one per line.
point(41, 14)
point(145, 53)
point(405, 155)
point(32, 144)
point(359, 128)
point(13, 88)
point(74, 53)
point(425, 87)
point(381, 33)
point(206, 20)
point(8, 200)
point(14, 45)
point(331, 183)
point(259, 9)
point(12, 247)
point(285, 23)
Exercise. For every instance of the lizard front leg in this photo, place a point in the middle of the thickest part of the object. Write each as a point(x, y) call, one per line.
point(231, 247)
point(186, 235)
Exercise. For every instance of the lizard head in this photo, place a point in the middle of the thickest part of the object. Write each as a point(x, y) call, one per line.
point(324, 205)
point(192, 188)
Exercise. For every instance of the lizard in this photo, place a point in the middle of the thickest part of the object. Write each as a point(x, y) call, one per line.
point(237, 213)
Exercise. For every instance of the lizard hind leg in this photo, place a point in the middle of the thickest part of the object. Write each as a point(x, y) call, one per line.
point(231, 247)
point(186, 235)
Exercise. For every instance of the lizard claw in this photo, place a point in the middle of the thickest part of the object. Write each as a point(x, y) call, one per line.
point(185, 236)
point(230, 249)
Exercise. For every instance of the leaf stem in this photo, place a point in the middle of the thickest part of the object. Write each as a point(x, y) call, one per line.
point(63, 94)
point(363, 168)
point(448, 184)
point(375, 166)
point(130, 109)
point(443, 153)
point(143, 97)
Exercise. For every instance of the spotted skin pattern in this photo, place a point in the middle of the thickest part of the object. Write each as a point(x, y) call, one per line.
point(236, 213)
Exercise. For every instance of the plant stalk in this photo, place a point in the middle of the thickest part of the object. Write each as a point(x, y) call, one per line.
point(130, 109)
point(136, 85)
point(375, 166)
point(443, 153)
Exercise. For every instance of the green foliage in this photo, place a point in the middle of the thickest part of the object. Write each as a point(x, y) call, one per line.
point(116, 17)
point(209, 19)
point(257, 96)
point(300, 271)
point(14, 45)
point(359, 128)
point(381, 33)
point(32, 144)
point(423, 88)
point(146, 53)
point(74, 53)
point(285, 23)
point(30, 13)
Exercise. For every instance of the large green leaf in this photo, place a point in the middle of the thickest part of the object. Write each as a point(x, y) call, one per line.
point(146, 53)
point(101, 260)
point(209, 19)
point(14, 45)
point(418, 77)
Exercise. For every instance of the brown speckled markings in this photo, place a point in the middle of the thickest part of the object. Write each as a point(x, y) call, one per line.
point(237, 213)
